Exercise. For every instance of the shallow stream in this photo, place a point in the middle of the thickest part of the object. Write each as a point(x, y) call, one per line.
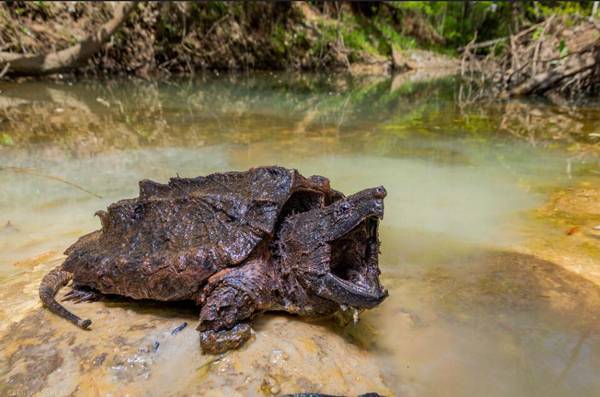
point(475, 308)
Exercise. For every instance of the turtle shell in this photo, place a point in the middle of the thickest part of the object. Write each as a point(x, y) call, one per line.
point(164, 244)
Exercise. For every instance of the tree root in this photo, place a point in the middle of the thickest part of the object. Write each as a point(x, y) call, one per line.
point(69, 58)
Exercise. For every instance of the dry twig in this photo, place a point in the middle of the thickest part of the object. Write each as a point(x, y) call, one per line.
point(32, 171)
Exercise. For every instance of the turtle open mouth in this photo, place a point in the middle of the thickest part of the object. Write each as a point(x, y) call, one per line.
point(354, 269)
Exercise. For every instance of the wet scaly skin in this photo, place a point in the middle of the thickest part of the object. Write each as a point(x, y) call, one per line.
point(238, 244)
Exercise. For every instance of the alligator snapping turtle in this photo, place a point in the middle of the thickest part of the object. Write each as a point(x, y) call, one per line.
point(237, 244)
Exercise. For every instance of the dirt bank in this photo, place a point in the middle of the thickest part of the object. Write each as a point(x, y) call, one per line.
point(150, 39)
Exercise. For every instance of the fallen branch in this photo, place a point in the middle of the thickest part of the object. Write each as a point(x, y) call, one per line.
point(4, 69)
point(483, 44)
point(550, 58)
point(492, 42)
point(55, 62)
point(467, 54)
point(538, 46)
point(542, 82)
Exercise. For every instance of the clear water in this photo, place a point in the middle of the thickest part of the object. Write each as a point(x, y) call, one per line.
point(467, 314)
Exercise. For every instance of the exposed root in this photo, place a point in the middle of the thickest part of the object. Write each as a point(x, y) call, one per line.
point(69, 58)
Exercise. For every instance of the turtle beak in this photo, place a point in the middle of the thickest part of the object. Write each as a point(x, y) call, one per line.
point(353, 277)
point(346, 293)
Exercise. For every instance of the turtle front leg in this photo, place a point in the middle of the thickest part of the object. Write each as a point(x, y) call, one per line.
point(224, 319)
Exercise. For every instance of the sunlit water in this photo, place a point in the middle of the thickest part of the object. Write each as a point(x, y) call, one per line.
point(467, 315)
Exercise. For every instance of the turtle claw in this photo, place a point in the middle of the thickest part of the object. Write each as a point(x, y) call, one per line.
point(215, 342)
point(80, 295)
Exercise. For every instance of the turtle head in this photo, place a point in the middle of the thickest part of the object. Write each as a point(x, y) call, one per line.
point(334, 250)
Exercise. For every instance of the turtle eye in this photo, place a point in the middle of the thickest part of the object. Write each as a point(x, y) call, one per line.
point(344, 207)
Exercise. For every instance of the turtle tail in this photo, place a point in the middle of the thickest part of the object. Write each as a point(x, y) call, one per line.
point(51, 284)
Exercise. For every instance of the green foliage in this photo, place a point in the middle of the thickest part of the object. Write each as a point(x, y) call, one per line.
point(393, 37)
point(6, 140)
point(358, 40)
point(43, 7)
point(546, 9)
point(562, 49)
point(458, 22)
point(538, 33)
point(279, 39)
